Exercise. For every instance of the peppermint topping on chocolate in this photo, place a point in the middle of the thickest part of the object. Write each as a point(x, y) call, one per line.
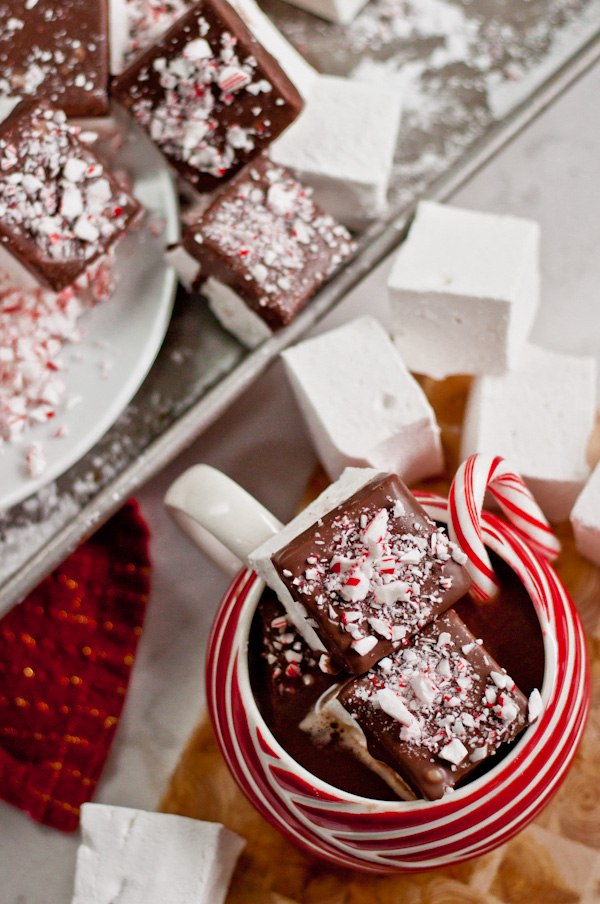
point(183, 123)
point(430, 702)
point(58, 205)
point(275, 229)
point(374, 584)
point(372, 572)
point(207, 93)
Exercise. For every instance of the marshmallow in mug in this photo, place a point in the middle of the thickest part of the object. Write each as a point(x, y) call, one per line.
point(343, 146)
point(362, 568)
point(137, 857)
point(539, 417)
point(464, 289)
point(361, 405)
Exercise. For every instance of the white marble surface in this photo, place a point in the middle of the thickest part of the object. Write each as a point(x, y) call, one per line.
point(551, 173)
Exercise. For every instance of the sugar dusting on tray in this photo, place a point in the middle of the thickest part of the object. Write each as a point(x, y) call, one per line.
point(35, 327)
point(459, 67)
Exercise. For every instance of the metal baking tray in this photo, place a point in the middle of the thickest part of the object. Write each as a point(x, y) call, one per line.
point(473, 74)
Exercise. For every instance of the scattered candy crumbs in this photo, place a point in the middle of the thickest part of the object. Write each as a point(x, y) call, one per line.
point(35, 326)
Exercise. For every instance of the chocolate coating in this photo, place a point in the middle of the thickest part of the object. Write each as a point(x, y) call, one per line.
point(286, 689)
point(403, 581)
point(266, 239)
point(60, 209)
point(438, 708)
point(208, 94)
point(56, 49)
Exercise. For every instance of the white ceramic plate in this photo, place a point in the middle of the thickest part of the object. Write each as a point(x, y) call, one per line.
point(123, 334)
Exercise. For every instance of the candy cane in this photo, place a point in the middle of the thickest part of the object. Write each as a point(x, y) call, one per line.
point(473, 478)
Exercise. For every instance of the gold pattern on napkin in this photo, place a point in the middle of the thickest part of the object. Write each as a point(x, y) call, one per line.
point(556, 860)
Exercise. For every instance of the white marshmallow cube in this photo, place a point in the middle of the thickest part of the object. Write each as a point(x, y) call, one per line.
point(361, 405)
point(343, 144)
point(585, 519)
point(135, 857)
point(464, 290)
point(335, 10)
point(350, 482)
point(539, 417)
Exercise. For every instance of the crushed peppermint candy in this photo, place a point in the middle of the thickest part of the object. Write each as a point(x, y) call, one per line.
point(35, 327)
point(208, 94)
point(383, 572)
point(436, 710)
point(265, 237)
point(290, 663)
point(60, 209)
point(55, 50)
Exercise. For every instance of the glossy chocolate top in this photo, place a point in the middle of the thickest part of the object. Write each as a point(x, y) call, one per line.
point(208, 94)
point(56, 49)
point(60, 209)
point(372, 572)
point(436, 709)
point(266, 238)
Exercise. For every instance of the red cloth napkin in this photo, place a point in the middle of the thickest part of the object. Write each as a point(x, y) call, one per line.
point(66, 654)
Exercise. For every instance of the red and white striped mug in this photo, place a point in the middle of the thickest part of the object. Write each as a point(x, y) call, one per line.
point(375, 835)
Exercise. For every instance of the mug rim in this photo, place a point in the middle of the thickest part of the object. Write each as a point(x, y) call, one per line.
point(253, 586)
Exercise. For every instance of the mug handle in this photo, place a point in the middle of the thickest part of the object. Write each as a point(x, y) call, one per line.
point(225, 521)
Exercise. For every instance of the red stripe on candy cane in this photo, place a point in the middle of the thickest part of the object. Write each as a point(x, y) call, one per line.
point(473, 478)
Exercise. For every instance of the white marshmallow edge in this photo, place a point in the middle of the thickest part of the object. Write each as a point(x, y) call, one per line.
point(539, 417)
point(350, 482)
point(132, 856)
point(360, 404)
point(343, 144)
point(343, 11)
point(585, 519)
point(229, 308)
point(464, 290)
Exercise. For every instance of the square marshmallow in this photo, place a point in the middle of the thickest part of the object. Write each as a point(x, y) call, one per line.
point(335, 10)
point(136, 857)
point(585, 519)
point(343, 144)
point(464, 290)
point(539, 417)
point(361, 405)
